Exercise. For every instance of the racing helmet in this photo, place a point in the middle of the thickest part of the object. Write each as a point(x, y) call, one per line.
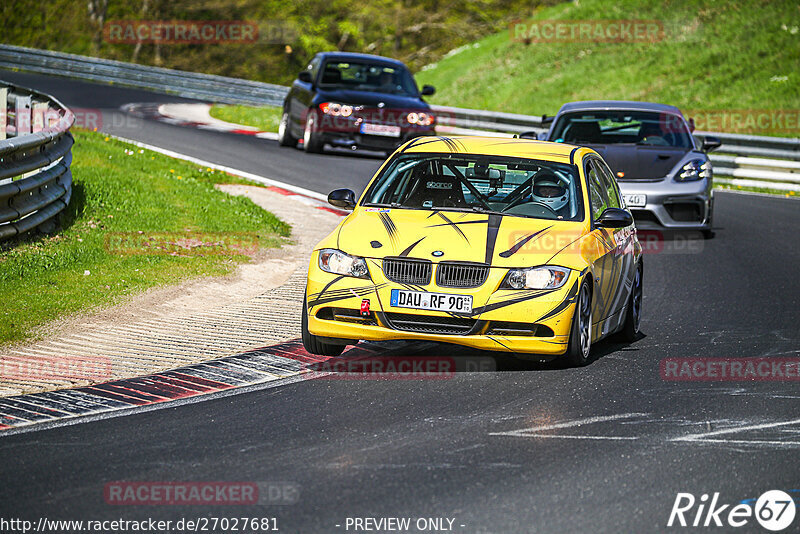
point(550, 189)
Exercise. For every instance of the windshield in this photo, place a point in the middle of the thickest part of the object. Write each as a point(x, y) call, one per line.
point(622, 127)
point(375, 77)
point(510, 186)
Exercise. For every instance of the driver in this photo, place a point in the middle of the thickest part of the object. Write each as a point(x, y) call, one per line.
point(550, 190)
point(386, 83)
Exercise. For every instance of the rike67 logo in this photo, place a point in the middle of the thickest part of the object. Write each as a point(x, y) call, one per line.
point(774, 510)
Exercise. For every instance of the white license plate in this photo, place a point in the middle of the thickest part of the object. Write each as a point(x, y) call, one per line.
point(380, 129)
point(422, 300)
point(635, 201)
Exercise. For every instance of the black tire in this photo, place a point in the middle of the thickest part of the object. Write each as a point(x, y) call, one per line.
point(312, 343)
point(580, 335)
point(285, 137)
point(633, 315)
point(312, 138)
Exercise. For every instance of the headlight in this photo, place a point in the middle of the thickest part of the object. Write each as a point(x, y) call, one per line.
point(420, 118)
point(337, 262)
point(337, 110)
point(535, 278)
point(697, 169)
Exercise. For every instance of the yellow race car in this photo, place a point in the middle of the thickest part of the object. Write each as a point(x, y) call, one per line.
point(508, 245)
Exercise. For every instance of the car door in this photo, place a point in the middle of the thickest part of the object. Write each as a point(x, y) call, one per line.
point(604, 261)
point(300, 97)
point(624, 253)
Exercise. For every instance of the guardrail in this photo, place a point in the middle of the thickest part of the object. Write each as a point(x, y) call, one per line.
point(771, 152)
point(175, 82)
point(35, 157)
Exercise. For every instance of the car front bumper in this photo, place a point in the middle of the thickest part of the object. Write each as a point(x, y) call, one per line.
point(334, 305)
point(671, 205)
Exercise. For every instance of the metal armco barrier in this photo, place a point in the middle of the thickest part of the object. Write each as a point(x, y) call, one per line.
point(771, 153)
point(175, 82)
point(35, 157)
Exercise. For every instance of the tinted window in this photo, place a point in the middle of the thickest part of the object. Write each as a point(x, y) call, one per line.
point(375, 77)
point(646, 128)
point(313, 67)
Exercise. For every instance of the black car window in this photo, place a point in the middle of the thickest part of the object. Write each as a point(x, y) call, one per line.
point(607, 127)
point(313, 67)
point(364, 76)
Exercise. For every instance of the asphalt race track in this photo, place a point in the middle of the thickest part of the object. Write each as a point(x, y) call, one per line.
point(506, 447)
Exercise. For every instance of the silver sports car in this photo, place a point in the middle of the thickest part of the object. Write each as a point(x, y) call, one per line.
point(663, 172)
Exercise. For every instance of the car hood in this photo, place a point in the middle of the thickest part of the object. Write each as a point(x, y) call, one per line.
point(370, 99)
point(640, 162)
point(501, 241)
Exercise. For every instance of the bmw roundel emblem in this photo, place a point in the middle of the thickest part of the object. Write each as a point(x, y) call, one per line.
point(437, 253)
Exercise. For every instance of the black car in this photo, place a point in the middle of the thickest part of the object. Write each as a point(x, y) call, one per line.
point(356, 101)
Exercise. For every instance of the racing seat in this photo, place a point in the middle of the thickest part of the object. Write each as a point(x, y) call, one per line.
point(331, 76)
point(651, 134)
point(583, 132)
point(442, 191)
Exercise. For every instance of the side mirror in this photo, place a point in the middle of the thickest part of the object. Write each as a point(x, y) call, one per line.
point(615, 218)
point(528, 135)
point(428, 90)
point(304, 76)
point(342, 198)
point(711, 143)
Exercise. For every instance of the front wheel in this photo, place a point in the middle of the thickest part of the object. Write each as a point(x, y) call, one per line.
point(314, 344)
point(285, 137)
point(580, 338)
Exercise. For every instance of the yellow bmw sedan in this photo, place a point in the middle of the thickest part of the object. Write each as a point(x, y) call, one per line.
point(507, 245)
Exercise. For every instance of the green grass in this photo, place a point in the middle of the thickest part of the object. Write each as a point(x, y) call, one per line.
point(764, 190)
point(264, 118)
point(715, 56)
point(118, 188)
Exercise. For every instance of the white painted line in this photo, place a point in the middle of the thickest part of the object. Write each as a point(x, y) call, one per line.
point(568, 436)
point(745, 442)
point(703, 435)
point(531, 431)
point(243, 174)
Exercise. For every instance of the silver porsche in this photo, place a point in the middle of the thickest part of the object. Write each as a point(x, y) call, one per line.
point(663, 172)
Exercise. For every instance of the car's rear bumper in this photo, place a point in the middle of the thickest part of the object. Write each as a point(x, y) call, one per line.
point(355, 139)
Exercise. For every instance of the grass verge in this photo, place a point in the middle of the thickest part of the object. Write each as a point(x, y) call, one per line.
point(264, 118)
point(149, 199)
point(762, 190)
point(714, 56)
